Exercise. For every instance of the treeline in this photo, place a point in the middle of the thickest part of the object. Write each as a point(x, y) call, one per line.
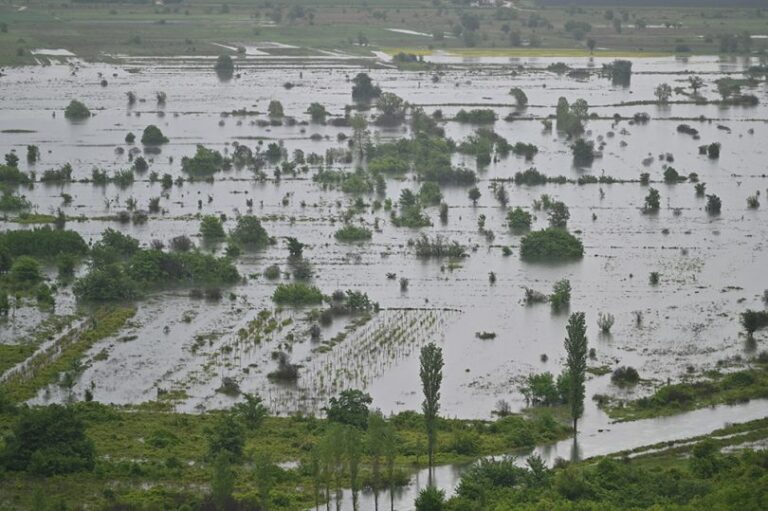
point(651, 3)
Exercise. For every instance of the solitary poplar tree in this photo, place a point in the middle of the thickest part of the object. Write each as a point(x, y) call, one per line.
point(576, 363)
point(431, 373)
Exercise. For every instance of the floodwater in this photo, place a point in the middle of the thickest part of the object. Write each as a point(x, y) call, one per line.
point(591, 441)
point(712, 267)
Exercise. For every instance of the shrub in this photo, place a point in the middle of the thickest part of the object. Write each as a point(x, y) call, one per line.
point(625, 375)
point(153, 136)
point(43, 242)
point(249, 232)
point(224, 63)
point(353, 233)
point(438, 247)
point(25, 270)
point(605, 322)
point(297, 293)
point(272, 272)
point(12, 175)
point(48, 440)
point(205, 162)
point(76, 110)
point(181, 243)
point(561, 294)
point(753, 320)
point(551, 244)
point(476, 116)
point(107, 284)
point(714, 204)
point(351, 407)
point(430, 193)
point(519, 219)
point(430, 499)
point(652, 200)
point(583, 152)
point(211, 228)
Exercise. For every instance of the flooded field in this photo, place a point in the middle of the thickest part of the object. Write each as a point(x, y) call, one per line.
point(711, 267)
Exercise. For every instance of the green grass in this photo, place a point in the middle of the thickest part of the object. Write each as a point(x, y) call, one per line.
point(716, 388)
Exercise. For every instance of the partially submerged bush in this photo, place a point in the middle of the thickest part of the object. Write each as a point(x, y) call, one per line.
point(353, 233)
point(76, 110)
point(551, 244)
point(625, 376)
point(561, 294)
point(297, 293)
point(153, 136)
point(519, 219)
point(250, 233)
point(438, 247)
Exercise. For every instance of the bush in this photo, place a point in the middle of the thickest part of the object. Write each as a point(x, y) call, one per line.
point(25, 270)
point(476, 116)
point(714, 204)
point(12, 175)
point(250, 233)
point(561, 294)
point(583, 152)
point(43, 242)
point(754, 320)
point(107, 284)
point(153, 136)
point(211, 228)
point(272, 272)
point(48, 440)
point(351, 407)
point(224, 63)
point(205, 163)
point(353, 233)
point(551, 244)
point(625, 375)
point(76, 110)
point(297, 293)
point(438, 247)
point(430, 499)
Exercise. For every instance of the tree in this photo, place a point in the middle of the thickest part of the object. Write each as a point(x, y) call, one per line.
point(153, 136)
point(559, 215)
point(583, 152)
point(359, 133)
point(250, 232)
point(663, 92)
point(696, 83)
point(431, 373)
point(224, 63)
point(264, 472)
point(211, 228)
point(251, 412)
point(350, 408)
point(317, 112)
point(430, 499)
point(48, 440)
point(76, 110)
point(363, 89)
point(25, 270)
point(474, 195)
point(391, 442)
point(222, 482)
point(591, 44)
point(576, 364)
point(353, 447)
point(275, 109)
point(520, 97)
point(392, 108)
point(226, 436)
point(652, 200)
point(295, 247)
point(375, 445)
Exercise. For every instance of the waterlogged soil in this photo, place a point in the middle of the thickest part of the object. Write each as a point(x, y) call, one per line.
point(179, 349)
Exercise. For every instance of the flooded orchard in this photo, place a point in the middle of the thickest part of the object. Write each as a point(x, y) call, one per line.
point(710, 267)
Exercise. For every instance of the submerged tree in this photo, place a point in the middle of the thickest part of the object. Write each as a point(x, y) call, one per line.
point(431, 373)
point(576, 364)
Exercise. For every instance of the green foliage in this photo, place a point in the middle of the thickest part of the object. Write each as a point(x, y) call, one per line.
point(211, 228)
point(540, 390)
point(353, 233)
point(25, 271)
point(249, 232)
point(388, 165)
point(714, 205)
point(251, 411)
point(652, 200)
point(430, 498)
point(317, 112)
point(520, 97)
point(10, 201)
point(43, 242)
point(550, 244)
point(576, 364)
point(275, 109)
point(297, 293)
point(519, 219)
point(226, 437)
point(476, 116)
point(205, 163)
point(12, 175)
point(430, 194)
point(224, 63)
point(583, 152)
point(48, 440)
point(363, 89)
point(625, 376)
point(350, 408)
point(153, 136)
point(76, 110)
point(105, 284)
point(561, 294)
point(431, 375)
